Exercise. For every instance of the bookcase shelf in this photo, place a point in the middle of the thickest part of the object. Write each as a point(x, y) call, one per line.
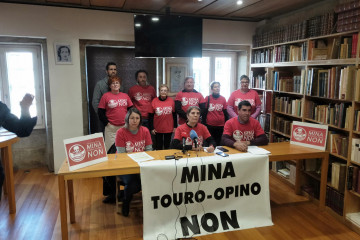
point(322, 86)
point(280, 133)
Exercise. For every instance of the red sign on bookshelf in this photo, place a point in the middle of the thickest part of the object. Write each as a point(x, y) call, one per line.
point(309, 135)
point(85, 151)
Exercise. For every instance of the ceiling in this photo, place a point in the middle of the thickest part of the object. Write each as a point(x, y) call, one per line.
point(250, 10)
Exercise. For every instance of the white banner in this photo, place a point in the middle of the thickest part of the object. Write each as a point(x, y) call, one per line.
point(205, 195)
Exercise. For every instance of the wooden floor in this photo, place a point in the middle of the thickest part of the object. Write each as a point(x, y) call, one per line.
point(38, 218)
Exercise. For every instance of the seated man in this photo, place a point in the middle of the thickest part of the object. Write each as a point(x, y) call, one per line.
point(242, 131)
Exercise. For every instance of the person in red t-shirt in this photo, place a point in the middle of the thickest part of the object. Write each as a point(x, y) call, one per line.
point(186, 98)
point(183, 133)
point(242, 131)
point(162, 118)
point(112, 110)
point(132, 138)
point(216, 114)
point(142, 94)
point(244, 93)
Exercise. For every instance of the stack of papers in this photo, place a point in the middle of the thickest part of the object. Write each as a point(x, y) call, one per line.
point(257, 151)
point(140, 157)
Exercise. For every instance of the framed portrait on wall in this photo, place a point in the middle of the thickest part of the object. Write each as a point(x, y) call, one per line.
point(62, 53)
point(175, 75)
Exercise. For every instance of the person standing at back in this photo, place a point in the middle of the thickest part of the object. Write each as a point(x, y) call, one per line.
point(244, 93)
point(142, 95)
point(102, 86)
point(187, 98)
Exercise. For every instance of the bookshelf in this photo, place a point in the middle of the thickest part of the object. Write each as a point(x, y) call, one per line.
point(317, 80)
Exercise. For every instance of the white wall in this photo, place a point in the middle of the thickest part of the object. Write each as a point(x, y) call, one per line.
point(57, 24)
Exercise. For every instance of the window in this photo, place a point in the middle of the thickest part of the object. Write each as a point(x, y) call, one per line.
point(215, 66)
point(21, 73)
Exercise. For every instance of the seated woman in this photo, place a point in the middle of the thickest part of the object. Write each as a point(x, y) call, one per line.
point(183, 131)
point(132, 138)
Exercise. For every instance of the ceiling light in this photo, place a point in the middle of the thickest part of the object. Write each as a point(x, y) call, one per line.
point(239, 2)
point(155, 19)
point(137, 24)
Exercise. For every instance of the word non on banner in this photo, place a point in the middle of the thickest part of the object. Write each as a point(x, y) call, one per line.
point(204, 195)
point(309, 135)
point(85, 151)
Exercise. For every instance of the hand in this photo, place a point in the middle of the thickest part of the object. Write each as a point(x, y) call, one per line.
point(210, 149)
point(241, 146)
point(153, 132)
point(27, 101)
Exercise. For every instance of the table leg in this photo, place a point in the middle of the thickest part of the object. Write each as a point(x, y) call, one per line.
point(63, 213)
point(298, 177)
point(4, 168)
point(324, 170)
point(71, 200)
point(9, 176)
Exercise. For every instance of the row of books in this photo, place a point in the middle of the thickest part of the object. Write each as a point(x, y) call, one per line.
point(353, 178)
point(334, 200)
point(315, 26)
point(348, 16)
point(339, 47)
point(277, 138)
point(258, 81)
point(357, 120)
point(335, 83)
point(282, 125)
point(355, 150)
point(338, 175)
point(287, 82)
point(288, 105)
point(264, 120)
point(337, 114)
point(338, 144)
point(262, 55)
point(291, 53)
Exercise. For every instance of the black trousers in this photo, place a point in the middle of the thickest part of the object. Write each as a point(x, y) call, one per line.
point(216, 132)
point(162, 141)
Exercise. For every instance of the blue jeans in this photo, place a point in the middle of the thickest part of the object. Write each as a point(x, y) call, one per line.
point(132, 185)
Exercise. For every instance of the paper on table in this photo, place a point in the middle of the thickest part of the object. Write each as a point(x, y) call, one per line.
point(140, 157)
point(257, 151)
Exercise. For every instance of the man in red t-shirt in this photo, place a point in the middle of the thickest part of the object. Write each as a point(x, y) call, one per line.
point(141, 95)
point(242, 131)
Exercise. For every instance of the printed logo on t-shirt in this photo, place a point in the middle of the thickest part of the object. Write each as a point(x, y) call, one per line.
point(138, 146)
point(243, 136)
point(117, 103)
point(238, 100)
point(189, 141)
point(142, 96)
point(163, 111)
point(215, 107)
point(189, 101)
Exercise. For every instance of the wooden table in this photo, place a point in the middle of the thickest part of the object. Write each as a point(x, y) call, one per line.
point(6, 140)
point(120, 164)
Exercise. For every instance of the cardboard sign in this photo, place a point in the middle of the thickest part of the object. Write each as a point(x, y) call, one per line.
point(85, 151)
point(309, 135)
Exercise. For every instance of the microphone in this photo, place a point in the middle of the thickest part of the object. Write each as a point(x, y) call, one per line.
point(184, 136)
point(194, 137)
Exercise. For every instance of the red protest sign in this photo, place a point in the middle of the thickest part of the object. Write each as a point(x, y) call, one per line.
point(85, 151)
point(309, 135)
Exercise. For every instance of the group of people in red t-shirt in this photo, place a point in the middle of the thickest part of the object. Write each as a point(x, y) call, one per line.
point(131, 119)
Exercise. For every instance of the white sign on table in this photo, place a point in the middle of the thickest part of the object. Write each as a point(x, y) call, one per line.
point(205, 195)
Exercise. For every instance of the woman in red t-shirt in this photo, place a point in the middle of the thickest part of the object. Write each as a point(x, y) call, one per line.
point(162, 118)
point(216, 112)
point(132, 138)
point(182, 138)
point(112, 110)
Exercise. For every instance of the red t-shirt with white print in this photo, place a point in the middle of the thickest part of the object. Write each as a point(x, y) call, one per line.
point(188, 99)
point(133, 142)
point(200, 129)
point(215, 115)
point(115, 106)
point(237, 96)
point(142, 97)
point(243, 132)
point(163, 114)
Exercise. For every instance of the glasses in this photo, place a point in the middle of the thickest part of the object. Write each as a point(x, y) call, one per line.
point(244, 82)
point(115, 83)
